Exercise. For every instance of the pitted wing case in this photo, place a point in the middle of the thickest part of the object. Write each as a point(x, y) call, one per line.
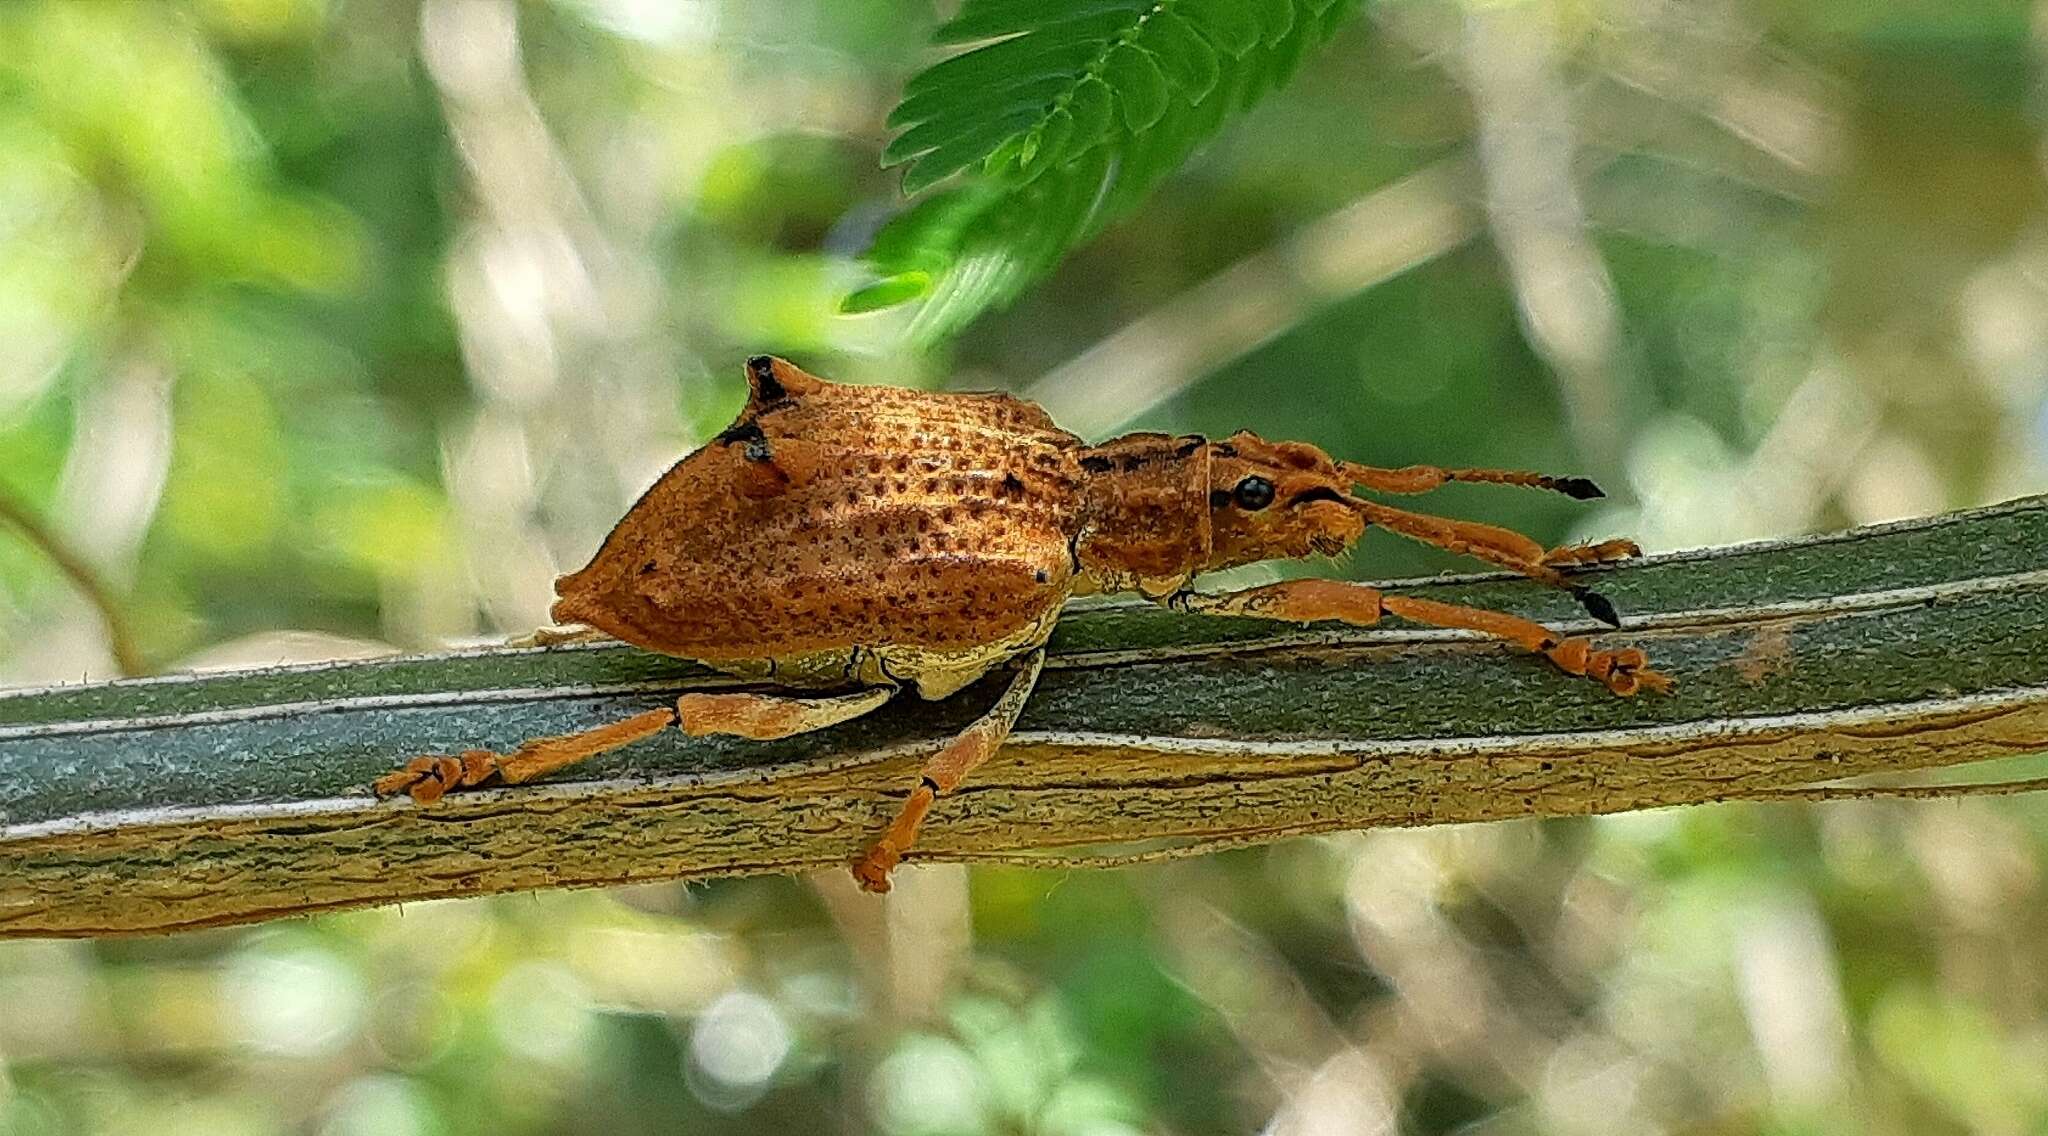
point(833, 516)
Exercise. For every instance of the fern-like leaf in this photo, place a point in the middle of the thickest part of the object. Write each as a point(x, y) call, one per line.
point(1062, 119)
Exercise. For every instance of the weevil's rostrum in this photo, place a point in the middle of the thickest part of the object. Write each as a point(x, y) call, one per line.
point(867, 538)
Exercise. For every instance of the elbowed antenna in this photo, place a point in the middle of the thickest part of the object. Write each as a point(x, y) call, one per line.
point(1423, 478)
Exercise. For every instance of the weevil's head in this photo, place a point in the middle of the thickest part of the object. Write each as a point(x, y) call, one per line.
point(1276, 500)
point(1162, 507)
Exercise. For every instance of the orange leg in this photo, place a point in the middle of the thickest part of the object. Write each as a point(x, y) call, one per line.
point(1507, 548)
point(944, 772)
point(427, 778)
point(765, 716)
point(1308, 601)
point(558, 637)
point(1579, 555)
point(1423, 478)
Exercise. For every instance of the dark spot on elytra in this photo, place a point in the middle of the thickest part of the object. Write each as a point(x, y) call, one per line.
point(1096, 463)
point(1189, 445)
point(746, 430)
point(757, 451)
point(1012, 483)
point(766, 387)
point(1218, 498)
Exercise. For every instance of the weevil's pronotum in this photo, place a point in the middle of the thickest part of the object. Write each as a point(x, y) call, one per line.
point(863, 539)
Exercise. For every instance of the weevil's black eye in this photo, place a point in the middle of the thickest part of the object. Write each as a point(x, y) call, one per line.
point(1253, 493)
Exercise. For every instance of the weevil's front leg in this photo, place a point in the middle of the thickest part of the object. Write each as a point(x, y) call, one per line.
point(1309, 601)
point(766, 716)
point(426, 778)
point(1507, 548)
point(944, 772)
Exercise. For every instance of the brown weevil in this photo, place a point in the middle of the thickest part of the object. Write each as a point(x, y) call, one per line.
point(866, 538)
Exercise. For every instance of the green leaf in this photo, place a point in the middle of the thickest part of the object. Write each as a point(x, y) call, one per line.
point(956, 155)
point(1275, 17)
point(1090, 107)
point(1186, 58)
point(1061, 125)
point(1140, 87)
point(988, 19)
point(1064, 48)
point(887, 292)
point(1053, 141)
point(987, 133)
point(1229, 24)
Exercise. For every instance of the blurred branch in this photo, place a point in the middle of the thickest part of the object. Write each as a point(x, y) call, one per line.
point(119, 642)
point(1156, 356)
point(192, 801)
point(1527, 144)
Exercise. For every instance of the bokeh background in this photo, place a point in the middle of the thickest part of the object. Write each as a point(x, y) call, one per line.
point(336, 327)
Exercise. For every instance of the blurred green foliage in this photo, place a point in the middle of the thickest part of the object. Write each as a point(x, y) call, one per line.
point(363, 318)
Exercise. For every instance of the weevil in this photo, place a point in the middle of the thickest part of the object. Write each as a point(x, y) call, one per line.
point(859, 540)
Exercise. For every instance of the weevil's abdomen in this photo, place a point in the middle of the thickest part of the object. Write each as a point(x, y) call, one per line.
point(832, 516)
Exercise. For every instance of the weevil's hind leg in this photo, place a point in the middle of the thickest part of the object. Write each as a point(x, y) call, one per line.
point(766, 716)
point(426, 778)
point(944, 772)
point(1423, 478)
point(1308, 601)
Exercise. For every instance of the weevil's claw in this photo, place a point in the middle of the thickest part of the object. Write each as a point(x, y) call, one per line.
point(872, 870)
point(427, 779)
point(1581, 488)
point(1597, 605)
point(1624, 671)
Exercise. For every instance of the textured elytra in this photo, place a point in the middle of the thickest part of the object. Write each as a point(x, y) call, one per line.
point(832, 516)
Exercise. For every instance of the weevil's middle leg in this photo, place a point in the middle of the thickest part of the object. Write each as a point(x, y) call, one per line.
point(944, 772)
point(1507, 548)
point(1309, 601)
point(765, 716)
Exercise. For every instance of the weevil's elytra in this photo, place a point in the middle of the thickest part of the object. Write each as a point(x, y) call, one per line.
point(874, 538)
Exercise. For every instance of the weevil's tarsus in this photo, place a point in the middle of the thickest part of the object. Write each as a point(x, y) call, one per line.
point(1583, 555)
point(944, 772)
point(1423, 478)
point(1623, 671)
point(426, 779)
point(766, 716)
point(558, 637)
